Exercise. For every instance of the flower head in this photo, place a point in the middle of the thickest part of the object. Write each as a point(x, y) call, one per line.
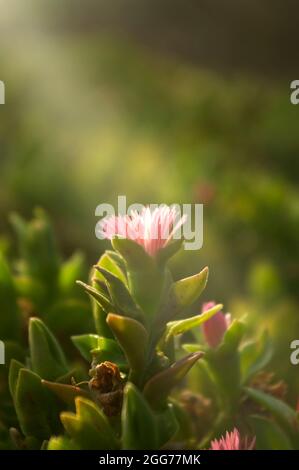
point(232, 441)
point(152, 229)
point(215, 327)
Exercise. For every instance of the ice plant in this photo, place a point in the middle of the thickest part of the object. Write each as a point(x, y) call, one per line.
point(233, 441)
point(214, 328)
point(119, 396)
point(152, 229)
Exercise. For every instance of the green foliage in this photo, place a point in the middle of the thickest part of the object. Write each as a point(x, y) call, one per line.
point(138, 423)
point(71, 388)
point(133, 339)
point(31, 405)
point(89, 427)
point(47, 358)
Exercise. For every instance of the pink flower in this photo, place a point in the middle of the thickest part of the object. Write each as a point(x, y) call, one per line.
point(215, 327)
point(232, 441)
point(152, 229)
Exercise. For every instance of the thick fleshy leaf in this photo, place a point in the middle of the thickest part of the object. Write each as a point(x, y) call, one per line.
point(167, 425)
point(98, 296)
point(118, 260)
point(139, 430)
point(99, 317)
point(179, 296)
point(47, 357)
point(100, 348)
point(89, 427)
point(185, 426)
point(255, 356)
point(223, 364)
point(66, 393)
point(269, 435)
point(71, 270)
point(284, 414)
point(85, 344)
point(120, 295)
point(146, 277)
point(112, 262)
point(159, 386)
point(188, 290)
point(31, 405)
point(181, 326)
point(133, 339)
point(14, 369)
point(101, 304)
point(232, 336)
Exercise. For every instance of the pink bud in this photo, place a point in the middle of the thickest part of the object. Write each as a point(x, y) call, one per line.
point(215, 327)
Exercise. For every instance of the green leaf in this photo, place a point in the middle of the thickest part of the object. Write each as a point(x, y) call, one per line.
point(98, 296)
point(255, 356)
point(120, 295)
point(188, 290)
point(284, 414)
point(101, 304)
point(14, 369)
point(167, 425)
point(66, 393)
point(113, 263)
point(146, 277)
point(185, 426)
point(89, 427)
point(85, 344)
point(181, 326)
point(139, 431)
point(99, 348)
point(71, 270)
point(47, 357)
point(269, 435)
point(133, 339)
point(232, 337)
point(31, 405)
point(223, 365)
point(159, 386)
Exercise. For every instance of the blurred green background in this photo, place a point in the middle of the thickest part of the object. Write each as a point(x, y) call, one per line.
point(165, 101)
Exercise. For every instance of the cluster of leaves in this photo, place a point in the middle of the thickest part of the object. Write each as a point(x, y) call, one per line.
point(131, 340)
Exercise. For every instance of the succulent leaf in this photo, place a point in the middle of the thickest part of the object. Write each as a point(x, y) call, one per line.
point(89, 427)
point(158, 387)
point(47, 357)
point(139, 429)
point(133, 339)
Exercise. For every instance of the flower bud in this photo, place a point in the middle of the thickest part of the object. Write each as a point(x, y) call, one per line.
point(215, 327)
